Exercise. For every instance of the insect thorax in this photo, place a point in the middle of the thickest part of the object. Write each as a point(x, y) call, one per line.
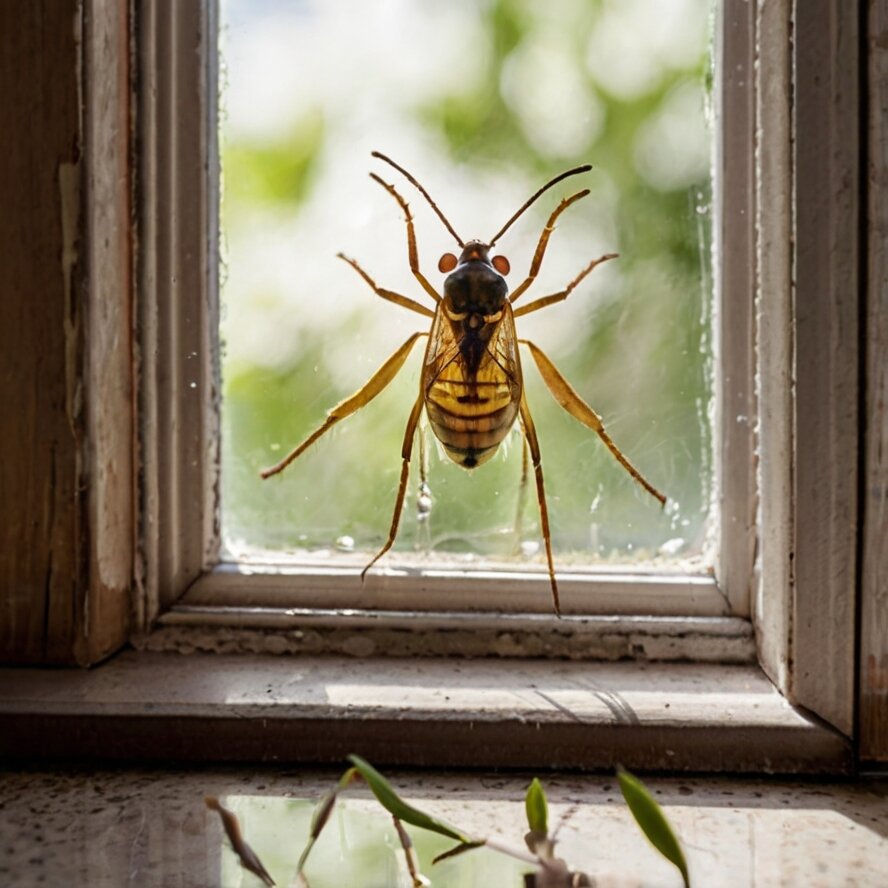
point(476, 287)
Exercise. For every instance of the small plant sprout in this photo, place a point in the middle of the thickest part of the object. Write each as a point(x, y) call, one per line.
point(248, 857)
point(652, 821)
point(549, 871)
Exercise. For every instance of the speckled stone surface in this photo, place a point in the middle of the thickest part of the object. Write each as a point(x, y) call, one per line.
point(139, 827)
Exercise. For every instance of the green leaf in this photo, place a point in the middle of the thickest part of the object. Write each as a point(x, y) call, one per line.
point(321, 815)
point(537, 808)
point(650, 817)
point(396, 806)
point(461, 848)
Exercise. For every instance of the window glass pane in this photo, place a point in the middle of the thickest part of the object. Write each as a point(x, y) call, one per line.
point(483, 103)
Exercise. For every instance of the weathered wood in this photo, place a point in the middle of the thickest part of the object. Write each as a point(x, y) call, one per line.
point(807, 338)
point(874, 579)
point(42, 420)
point(108, 369)
point(734, 316)
point(517, 714)
point(65, 345)
point(826, 309)
point(178, 316)
point(772, 612)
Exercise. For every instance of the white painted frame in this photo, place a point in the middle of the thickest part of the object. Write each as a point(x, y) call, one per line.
point(778, 561)
point(808, 300)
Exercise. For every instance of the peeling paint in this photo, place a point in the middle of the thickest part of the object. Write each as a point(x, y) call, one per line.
point(360, 644)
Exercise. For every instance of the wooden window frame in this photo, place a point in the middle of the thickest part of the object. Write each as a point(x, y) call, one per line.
point(791, 495)
point(186, 578)
point(788, 369)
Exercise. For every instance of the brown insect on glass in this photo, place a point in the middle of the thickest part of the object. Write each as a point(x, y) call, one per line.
point(471, 384)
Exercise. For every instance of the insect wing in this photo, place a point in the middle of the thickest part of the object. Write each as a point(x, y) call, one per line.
point(503, 350)
point(442, 350)
point(444, 360)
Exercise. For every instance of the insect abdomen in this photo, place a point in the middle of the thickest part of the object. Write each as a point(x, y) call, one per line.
point(471, 417)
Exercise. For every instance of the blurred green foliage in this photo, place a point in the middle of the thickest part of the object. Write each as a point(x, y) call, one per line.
point(260, 171)
point(642, 356)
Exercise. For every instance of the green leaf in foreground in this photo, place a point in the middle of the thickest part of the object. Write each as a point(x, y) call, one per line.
point(321, 815)
point(650, 817)
point(537, 808)
point(248, 857)
point(461, 848)
point(395, 805)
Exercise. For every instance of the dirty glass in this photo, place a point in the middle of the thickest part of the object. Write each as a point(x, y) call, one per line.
point(483, 103)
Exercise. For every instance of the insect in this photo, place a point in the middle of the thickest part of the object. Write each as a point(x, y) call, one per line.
point(471, 384)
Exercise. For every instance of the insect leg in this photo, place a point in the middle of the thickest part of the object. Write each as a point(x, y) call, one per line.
point(391, 296)
point(406, 450)
point(543, 301)
point(568, 398)
point(531, 438)
point(543, 243)
point(380, 379)
point(412, 255)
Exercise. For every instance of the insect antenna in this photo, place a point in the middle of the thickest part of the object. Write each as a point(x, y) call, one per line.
point(581, 169)
point(422, 191)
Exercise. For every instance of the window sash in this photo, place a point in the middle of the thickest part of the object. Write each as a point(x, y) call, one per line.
point(180, 422)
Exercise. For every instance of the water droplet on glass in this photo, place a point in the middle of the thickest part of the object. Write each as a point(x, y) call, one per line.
point(345, 544)
point(423, 503)
point(529, 548)
point(672, 547)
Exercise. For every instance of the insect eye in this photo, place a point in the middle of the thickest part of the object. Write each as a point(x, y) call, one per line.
point(447, 263)
point(501, 264)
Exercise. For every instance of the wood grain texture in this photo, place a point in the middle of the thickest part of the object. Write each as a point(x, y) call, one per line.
point(108, 371)
point(42, 420)
point(65, 331)
point(826, 309)
point(874, 579)
point(772, 613)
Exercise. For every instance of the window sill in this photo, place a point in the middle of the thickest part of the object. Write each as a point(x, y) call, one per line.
point(411, 711)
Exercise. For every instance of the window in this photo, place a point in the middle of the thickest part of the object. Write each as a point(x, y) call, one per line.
point(482, 103)
point(284, 356)
point(676, 441)
point(774, 324)
point(788, 504)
